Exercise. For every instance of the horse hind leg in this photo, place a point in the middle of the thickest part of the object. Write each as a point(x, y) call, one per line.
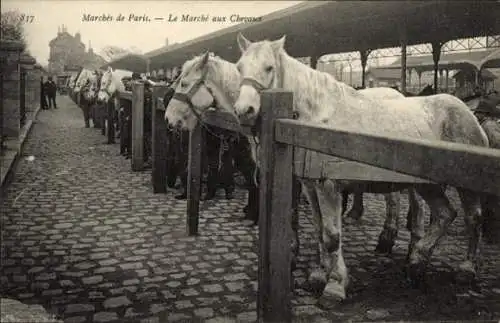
point(415, 220)
point(317, 274)
point(439, 205)
point(471, 204)
point(296, 189)
point(330, 202)
point(389, 234)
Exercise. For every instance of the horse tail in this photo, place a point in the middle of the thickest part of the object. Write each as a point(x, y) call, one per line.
point(490, 208)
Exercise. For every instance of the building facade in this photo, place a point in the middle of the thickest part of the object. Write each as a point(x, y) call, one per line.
point(68, 53)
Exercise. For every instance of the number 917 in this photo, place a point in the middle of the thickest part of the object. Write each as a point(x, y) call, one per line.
point(26, 18)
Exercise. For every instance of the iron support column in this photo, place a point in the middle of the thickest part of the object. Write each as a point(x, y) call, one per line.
point(436, 55)
point(364, 58)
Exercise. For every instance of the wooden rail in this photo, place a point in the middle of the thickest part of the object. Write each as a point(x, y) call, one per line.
point(289, 147)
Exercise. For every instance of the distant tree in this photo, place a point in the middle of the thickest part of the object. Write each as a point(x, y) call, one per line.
point(111, 52)
point(12, 26)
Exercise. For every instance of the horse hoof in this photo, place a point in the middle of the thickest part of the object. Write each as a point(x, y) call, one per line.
point(386, 241)
point(355, 214)
point(352, 221)
point(384, 247)
point(332, 296)
point(416, 274)
point(317, 281)
point(466, 273)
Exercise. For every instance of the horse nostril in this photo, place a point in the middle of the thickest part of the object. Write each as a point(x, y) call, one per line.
point(251, 110)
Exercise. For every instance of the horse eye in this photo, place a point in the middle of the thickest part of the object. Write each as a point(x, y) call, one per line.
point(184, 84)
point(269, 69)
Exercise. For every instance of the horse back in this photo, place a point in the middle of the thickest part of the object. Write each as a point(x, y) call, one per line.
point(452, 120)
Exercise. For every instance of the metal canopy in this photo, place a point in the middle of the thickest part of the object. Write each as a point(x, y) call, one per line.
point(132, 62)
point(492, 60)
point(318, 28)
point(467, 60)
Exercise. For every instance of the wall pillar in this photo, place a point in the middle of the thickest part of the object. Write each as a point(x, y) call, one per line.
point(403, 66)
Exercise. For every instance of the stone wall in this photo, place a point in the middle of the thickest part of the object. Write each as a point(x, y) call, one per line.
point(10, 52)
point(20, 95)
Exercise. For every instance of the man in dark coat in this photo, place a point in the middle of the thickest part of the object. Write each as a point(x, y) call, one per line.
point(43, 99)
point(50, 89)
point(177, 160)
point(488, 115)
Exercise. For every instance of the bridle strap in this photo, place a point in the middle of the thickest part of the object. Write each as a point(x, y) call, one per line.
point(254, 83)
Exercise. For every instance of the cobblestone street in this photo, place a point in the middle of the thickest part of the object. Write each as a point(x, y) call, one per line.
point(85, 237)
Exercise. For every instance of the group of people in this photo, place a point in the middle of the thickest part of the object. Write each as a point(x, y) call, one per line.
point(48, 93)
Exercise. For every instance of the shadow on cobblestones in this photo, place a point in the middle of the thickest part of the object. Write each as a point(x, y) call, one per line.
point(85, 237)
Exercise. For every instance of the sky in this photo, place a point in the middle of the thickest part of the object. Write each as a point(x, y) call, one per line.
point(48, 15)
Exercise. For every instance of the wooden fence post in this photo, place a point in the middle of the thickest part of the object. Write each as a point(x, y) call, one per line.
point(137, 126)
point(111, 126)
point(102, 117)
point(196, 140)
point(159, 142)
point(275, 230)
point(121, 124)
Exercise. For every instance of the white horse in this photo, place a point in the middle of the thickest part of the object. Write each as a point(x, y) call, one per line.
point(209, 80)
point(320, 99)
point(71, 81)
point(220, 90)
point(111, 82)
point(82, 79)
point(93, 85)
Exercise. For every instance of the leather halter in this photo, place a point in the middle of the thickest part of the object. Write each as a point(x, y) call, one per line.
point(188, 96)
point(259, 87)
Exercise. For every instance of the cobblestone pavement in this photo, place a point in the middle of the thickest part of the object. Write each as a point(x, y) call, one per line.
point(85, 237)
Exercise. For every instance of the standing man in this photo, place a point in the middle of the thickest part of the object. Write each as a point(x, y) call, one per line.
point(488, 115)
point(51, 91)
point(43, 101)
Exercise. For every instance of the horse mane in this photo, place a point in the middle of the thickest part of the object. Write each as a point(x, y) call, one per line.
point(307, 82)
point(223, 73)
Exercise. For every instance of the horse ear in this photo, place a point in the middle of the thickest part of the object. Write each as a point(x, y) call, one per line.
point(243, 43)
point(279, 44)
point(204, 60)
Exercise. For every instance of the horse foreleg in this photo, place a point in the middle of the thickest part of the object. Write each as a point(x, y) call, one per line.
point(439, 205)
point(357, 209)
point(317, 274)
point(345, 200)
point(330, 202)
point(471, 204)
point(389, 234)
point(415, 220)
point(297, 192)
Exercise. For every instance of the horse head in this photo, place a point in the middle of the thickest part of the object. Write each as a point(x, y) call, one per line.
point(259, 67)
point(108, 86)
point(94, 85)
point(205, 82)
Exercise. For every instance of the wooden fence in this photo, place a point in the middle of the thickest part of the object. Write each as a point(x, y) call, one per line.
point(284, 144)
point(135, 100)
